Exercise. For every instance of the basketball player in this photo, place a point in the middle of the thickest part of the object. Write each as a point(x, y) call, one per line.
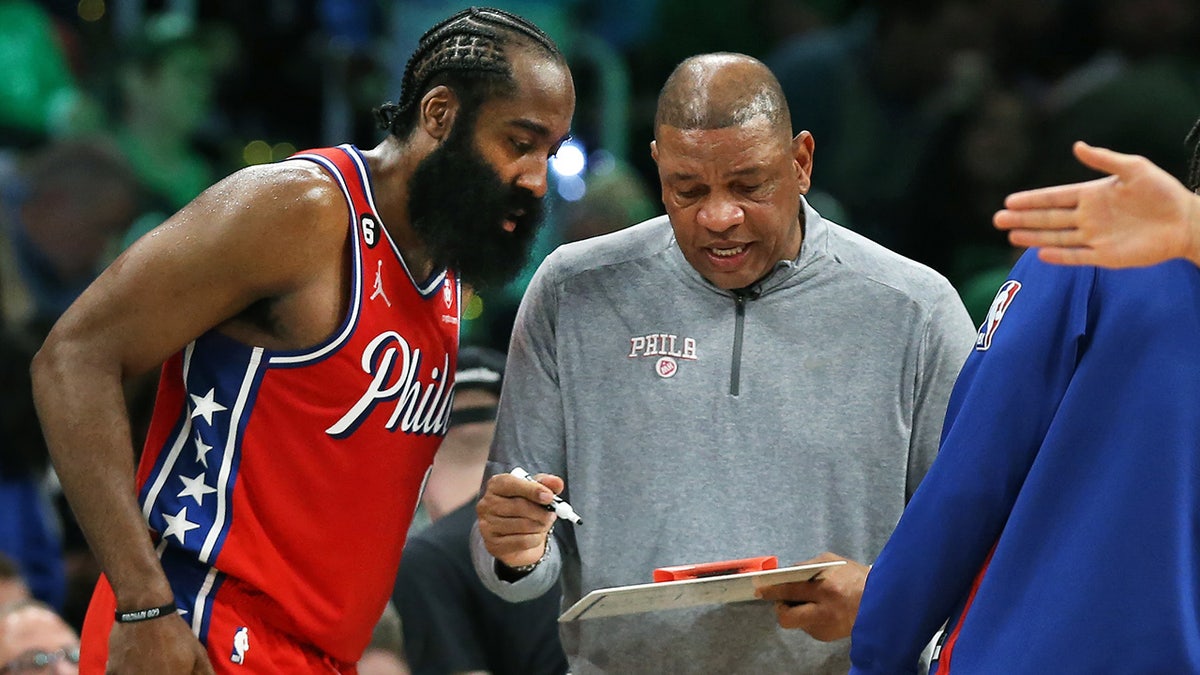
point(307, 313)
point(1057, 529)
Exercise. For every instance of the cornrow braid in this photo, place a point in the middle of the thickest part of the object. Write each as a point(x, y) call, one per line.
point(466, 52)
point(1193, 139)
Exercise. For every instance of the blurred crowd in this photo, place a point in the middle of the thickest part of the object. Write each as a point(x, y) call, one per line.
point(925, 114)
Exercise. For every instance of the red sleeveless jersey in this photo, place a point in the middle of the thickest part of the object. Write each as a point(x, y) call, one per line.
point(294, 476)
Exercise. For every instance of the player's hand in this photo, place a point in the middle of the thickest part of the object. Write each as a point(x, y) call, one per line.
point(1138, 215)
point(154, 647)
point(824, 607)
point(513, 519)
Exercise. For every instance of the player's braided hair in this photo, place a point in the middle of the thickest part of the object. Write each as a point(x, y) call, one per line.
point(1193, 139)
point(467, 53)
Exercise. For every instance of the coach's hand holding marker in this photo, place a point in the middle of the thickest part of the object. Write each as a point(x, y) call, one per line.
point(558, 506)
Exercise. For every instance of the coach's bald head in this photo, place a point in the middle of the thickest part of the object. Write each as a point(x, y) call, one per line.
point(719, 90)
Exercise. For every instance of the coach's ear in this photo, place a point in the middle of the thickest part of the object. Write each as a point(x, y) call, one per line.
point(802, 154)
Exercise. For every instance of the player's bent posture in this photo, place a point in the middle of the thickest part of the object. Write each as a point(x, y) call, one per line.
point(307, 313)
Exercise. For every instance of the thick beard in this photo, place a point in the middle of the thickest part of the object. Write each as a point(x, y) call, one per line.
point(457, 206)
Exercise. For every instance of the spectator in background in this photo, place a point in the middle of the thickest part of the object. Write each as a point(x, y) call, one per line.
point(33, 639)
point(385, 653)
point(167, 79)
point(30, 534)
point(39, 95)
point(280, 86)
point(875, 93)
point(984, 152)
point(1139, 87)
point(63, 216)
point(457, 467)
point(616, 197)
point(12, 585)
point(452, 623)
point(1034, 43)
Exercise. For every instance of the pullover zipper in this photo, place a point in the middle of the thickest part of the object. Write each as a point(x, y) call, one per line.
point(740, 296)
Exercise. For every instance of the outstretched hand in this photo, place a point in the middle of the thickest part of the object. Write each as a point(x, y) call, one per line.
point(1137, 215)
point(824, 607)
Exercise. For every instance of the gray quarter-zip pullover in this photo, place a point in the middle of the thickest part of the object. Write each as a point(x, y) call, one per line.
point(694, 424)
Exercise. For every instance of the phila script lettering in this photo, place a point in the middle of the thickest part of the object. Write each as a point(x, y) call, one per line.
point(420, 407)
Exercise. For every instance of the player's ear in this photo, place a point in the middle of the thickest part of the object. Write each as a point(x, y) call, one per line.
point(439, 107)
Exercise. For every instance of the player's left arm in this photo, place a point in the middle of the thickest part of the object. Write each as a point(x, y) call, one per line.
point(1002, 404)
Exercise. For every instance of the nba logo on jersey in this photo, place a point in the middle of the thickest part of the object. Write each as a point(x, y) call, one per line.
point(1004, 297)
point(448, 293)
point(241, 645)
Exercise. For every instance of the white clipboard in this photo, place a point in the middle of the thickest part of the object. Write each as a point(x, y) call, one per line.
point(714, 590)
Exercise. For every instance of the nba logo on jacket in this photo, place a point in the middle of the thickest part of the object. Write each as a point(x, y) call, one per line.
point(1004, 297)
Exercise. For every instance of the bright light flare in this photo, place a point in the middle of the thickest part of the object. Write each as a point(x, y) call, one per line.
point(570, 159)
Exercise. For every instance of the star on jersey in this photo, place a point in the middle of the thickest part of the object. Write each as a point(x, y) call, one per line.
point(202, 449)
point(178, 525)
point(195, 488)
point(205, 406)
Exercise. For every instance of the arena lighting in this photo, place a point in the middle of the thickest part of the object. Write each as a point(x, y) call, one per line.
point(570, 159)
point(256, 152)
point(90, 10)
point(572, 188)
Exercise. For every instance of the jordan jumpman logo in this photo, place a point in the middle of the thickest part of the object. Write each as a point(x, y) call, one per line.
point(379, 284)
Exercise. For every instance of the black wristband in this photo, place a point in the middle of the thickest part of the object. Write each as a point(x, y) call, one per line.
point(513, 574)
point(145, 614)
point(485, 413)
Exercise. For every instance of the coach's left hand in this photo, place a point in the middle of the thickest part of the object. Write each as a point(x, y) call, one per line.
point(825, 607)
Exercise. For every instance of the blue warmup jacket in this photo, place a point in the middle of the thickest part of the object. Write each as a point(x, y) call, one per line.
point(1059, 527)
